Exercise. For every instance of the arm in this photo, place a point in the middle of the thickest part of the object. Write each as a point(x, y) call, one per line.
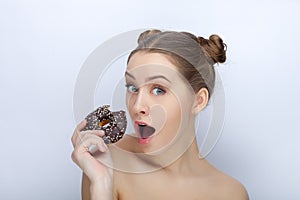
point(87, 189)
point(97, 181)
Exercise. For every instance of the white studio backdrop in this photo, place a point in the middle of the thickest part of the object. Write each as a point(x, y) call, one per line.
point(44, 43)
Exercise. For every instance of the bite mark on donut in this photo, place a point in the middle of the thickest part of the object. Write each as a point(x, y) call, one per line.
point(112, 123)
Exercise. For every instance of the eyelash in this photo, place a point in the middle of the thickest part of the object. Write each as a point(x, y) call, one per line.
point(158, 87)
point(128, 86)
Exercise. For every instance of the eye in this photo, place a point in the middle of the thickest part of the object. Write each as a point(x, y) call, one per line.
point(131, 88)
point(158, 91)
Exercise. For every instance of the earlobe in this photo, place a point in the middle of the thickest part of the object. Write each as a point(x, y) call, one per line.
point(201, 100)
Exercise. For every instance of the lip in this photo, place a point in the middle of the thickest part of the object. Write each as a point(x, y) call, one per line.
point(140, 123)
point(144, 141)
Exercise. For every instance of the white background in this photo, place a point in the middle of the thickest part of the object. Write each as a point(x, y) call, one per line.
point(44, 43)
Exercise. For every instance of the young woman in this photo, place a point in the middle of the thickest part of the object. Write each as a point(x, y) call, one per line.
point(169, 78)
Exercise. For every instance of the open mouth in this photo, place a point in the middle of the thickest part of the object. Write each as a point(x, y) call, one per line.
point(145, 132)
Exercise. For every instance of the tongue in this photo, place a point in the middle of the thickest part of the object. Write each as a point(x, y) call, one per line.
point(146, 131)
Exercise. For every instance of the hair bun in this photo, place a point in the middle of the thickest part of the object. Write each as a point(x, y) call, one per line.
point(214, 48)
point(147, 33)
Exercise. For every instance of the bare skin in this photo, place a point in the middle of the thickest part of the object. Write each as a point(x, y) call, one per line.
point(188, 177)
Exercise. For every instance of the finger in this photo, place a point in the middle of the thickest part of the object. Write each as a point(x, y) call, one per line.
point(81, 134)
point(99, 147)
point(99, 133)
point(81, 151)
point(81, 125)
point(93, 143)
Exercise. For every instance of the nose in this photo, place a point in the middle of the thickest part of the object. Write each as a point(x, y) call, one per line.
point(140, 103)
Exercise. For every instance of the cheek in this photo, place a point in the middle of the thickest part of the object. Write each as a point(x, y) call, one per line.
point(173, 121)
point(174, 112)
point(179, 110)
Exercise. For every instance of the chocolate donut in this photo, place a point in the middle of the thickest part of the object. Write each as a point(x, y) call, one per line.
point(112, 123)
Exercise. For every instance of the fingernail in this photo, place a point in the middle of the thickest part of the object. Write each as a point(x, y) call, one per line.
point(102, 132)
point(93, 149)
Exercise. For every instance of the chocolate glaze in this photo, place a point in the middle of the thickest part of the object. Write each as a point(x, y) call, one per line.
point(115, 127)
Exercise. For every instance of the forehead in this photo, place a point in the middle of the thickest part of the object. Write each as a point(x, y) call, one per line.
point(143, 66)
point(142, 58)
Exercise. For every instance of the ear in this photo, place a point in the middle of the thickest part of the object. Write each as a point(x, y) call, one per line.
point(201, 100)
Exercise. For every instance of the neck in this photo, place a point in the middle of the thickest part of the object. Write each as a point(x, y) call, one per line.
point(186, 162)
point(180, 157)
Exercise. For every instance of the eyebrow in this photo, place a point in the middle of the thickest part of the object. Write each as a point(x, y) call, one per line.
point(130, 75)
point(159, 76)
point(149, 78)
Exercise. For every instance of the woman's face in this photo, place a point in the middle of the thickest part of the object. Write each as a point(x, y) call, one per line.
point(159, 100)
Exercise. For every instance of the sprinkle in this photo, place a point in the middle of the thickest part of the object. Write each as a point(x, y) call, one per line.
point(112, 123)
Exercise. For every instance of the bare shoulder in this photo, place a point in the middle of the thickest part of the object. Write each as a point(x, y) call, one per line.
point(229, 188)
point(233, 189)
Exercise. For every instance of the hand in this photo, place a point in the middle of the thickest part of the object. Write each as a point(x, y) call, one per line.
point(98, 173)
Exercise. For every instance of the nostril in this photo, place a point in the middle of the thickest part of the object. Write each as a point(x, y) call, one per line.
point(143, 112)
